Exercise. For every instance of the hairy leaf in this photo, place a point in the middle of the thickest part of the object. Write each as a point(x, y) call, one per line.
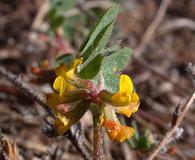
point(112, 66)
point(91, 69)
point(100, 32)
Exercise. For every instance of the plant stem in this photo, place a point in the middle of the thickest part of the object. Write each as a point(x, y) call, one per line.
point(98, 141)
point(98, 152)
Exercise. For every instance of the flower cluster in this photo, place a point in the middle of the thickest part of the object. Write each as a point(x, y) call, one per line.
point(73, 96)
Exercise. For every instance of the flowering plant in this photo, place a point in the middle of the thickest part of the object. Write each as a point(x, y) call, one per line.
point(92, 80)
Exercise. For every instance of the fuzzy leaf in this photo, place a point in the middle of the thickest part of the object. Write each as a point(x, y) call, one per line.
point(100, 33)
point(91, 69)
point(112, 66)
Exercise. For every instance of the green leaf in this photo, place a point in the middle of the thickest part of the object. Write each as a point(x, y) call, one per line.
point(105, 25)
point(91, 69)
point(112, 66)
point(93, 59)
point(99, 43)
point(111, 50)
point(66, 59)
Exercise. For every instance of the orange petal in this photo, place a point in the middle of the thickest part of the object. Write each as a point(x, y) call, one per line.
point(112, 127)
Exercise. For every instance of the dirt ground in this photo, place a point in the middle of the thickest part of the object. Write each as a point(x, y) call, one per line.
point(170, 52)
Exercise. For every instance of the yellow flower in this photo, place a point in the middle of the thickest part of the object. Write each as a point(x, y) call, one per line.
point(130, 108)
point(115, 130)
point(123, 96)
point(125, 100)
point(118, 132)
point(64, 75)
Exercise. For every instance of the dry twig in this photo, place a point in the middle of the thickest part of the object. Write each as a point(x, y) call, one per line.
point(25, 88)
point(176, 24)
point(149, 34)
point(179, 120)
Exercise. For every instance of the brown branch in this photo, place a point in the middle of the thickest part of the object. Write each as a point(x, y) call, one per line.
point(40, 99)
point(176, 24)
point(25, 88)
point(186, 107)
point(75, 136)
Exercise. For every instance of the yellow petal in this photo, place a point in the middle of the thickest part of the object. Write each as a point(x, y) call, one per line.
point(134, 98)
point(134, 107)
point(121, 99)
point(59, 85)
point(123, 96)
point(124, 110)
point(125, 133)
point(125, 84)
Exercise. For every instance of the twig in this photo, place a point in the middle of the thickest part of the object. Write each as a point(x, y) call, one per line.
point(179, 120)
point(39, 98)
point(176, 24)
point(148, 35)
point(74, 135)
point(25, 88)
